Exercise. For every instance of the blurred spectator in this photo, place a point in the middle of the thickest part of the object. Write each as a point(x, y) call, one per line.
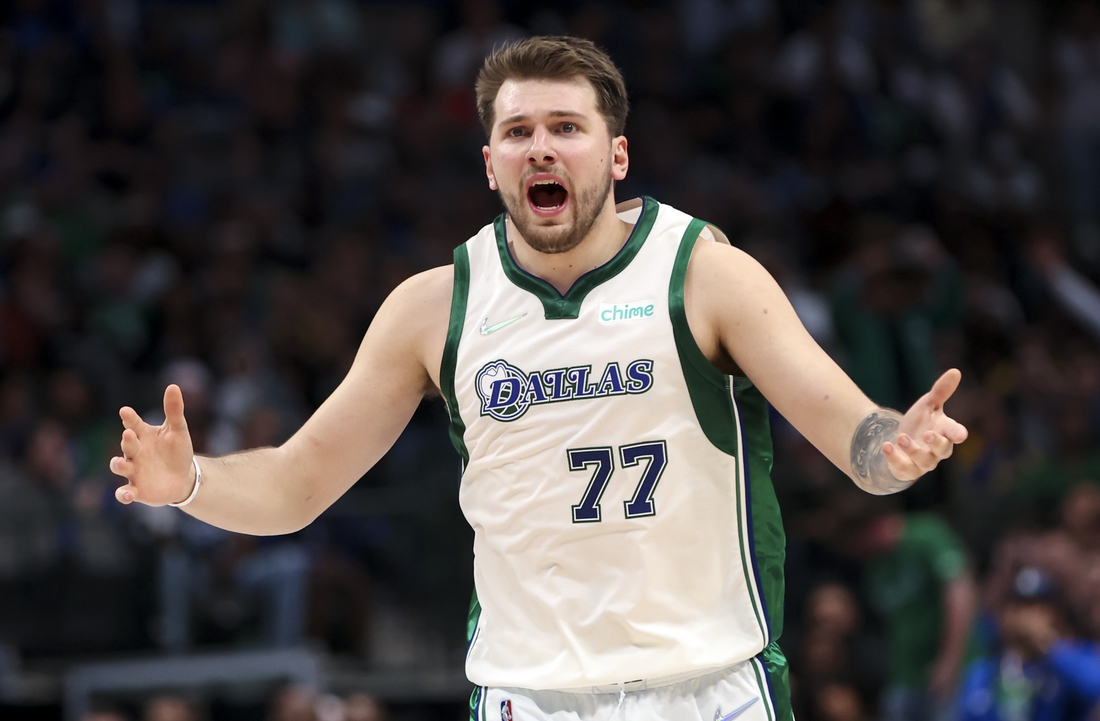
point(1076, 63)
point(1075, 293)
point(104, 716)
point(985, 471)
point(839, 702)
point(360, 707)
point(1043, 669)
point(294, 703)
point(944, 26)
point(917, 578)
point(838, 662)
point(223, 585)
point(1045, 481)
point(459, 53)
point(16, 414)
point(888, 302)
point(29, 533)
point(1069, 556)
point(169, 708)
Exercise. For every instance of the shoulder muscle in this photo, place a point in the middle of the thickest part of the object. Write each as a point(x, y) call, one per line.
point(412, 322)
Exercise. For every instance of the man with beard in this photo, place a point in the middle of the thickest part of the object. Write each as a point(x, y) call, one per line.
point(605, 369)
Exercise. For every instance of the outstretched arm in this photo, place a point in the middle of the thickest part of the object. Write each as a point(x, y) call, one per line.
point(279, 490)
point(744, 323)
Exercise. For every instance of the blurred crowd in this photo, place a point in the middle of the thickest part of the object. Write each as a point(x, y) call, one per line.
point(219, 194)
point(291, 703)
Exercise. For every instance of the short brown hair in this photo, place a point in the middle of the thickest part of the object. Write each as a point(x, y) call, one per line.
point(554, 57)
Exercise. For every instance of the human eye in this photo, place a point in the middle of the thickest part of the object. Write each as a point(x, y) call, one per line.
point(515, 132)
point(568, 128)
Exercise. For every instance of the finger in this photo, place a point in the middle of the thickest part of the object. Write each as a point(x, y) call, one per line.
point(126, 494)
point(901, 465)
point(944, 387)
point(131, 446)
point(917, 452)
point(173, 408)
point(121, 467)
point(130, 418)
point(938, 444)
point(956, 432)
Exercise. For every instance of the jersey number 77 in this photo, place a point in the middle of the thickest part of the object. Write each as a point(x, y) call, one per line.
point(602, 460)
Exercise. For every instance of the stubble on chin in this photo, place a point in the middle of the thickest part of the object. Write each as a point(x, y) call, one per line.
point(556, 239)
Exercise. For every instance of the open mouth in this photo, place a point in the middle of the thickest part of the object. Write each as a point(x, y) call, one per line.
point(547, 196)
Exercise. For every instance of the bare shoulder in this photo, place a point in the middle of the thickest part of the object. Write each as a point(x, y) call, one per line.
point(426, 292)
point(733, 305)
point(414, 318)
point(721, 273)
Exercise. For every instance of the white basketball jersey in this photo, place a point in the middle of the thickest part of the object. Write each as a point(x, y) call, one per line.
point(624, 523)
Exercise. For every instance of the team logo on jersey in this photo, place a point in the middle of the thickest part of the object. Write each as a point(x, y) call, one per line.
point(506, 710)
point(506, 392)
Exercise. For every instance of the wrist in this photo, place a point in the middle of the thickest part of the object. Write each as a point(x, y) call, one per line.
point(195, 484)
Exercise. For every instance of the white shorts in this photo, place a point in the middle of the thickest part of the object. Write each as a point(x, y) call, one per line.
point(740, 692)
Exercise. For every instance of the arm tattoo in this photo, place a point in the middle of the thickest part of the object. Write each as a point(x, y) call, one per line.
point(872, 472)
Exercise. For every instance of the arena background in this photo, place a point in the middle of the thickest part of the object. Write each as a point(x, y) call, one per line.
point(220, 193)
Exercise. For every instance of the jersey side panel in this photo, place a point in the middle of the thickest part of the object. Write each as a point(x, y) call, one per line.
point(459, 295)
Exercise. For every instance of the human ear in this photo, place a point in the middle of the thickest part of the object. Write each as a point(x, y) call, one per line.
point(489, 168)
point(620, 160)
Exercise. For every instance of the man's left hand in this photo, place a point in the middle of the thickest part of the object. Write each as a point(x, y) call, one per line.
point(926, 435)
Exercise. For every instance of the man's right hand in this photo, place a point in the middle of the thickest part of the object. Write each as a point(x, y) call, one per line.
point(155, 460)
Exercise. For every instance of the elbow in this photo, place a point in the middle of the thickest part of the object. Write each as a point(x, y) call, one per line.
point(298, 502)
point(300, 512)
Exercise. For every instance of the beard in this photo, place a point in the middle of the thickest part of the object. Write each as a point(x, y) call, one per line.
point(554, 239)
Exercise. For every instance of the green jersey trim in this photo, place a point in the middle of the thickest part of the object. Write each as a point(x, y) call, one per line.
point(766, 536)
point(477, 704)
point(459, 295)
point(457, 429)
point(472, 617)
point(777, 678)
point(556, 306)
point(707, 386)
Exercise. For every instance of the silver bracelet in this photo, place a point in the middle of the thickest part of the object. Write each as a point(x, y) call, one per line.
point(195, 490)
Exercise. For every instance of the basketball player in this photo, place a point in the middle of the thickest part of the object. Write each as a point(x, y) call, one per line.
point(605, 368)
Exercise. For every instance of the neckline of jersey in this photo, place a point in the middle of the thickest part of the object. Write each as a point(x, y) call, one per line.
point(556, 306)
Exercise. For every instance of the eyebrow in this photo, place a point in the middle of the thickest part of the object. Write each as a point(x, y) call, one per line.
point(553, 114)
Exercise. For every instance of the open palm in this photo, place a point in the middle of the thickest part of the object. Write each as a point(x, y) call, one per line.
point(155, 460)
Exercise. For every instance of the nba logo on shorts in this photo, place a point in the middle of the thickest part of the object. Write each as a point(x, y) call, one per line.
point(506, 710)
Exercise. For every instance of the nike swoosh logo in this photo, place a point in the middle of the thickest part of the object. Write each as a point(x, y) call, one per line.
point(486, 329)
point(735, 713)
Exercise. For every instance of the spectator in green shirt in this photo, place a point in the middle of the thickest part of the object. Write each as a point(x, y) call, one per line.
point(917, 579)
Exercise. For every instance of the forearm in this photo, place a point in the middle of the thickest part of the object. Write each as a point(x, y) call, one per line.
point(869, 467)
point(261, 492)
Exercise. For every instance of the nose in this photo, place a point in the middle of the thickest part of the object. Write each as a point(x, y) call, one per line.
point(542, 150)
